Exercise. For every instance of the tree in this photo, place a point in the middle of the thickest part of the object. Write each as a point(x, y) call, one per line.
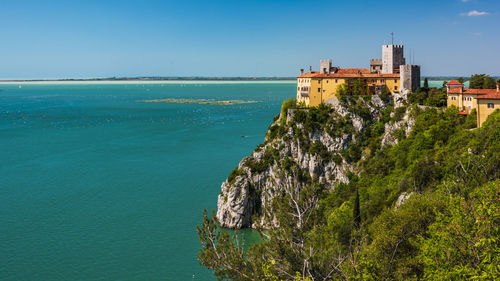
point(489, 83)
point(357, 86)
point(461, 80)
point(462, 244)
point(426, 84)
point(357, 212)
point(482, 81)
point(290, 103)
point(223, 253)
point(477, 81)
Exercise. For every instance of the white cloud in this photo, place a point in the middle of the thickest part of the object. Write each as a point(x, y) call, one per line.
point(474, 13)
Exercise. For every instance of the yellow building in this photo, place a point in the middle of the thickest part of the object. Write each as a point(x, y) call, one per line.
point(486, 104)
point(391, 74)
point(484, 101)
point(314, 88)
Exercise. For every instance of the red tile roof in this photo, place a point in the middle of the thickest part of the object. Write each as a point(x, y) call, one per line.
point(473, 91)
point(453, 82)
point(495, 96)
point(349, 73)
point(462, 113)
point(353, 71)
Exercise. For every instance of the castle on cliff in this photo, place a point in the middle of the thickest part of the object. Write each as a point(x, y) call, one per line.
point(390, 74)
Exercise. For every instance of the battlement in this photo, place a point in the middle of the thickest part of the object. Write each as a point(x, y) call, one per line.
point(325, 66)
point(394, 46)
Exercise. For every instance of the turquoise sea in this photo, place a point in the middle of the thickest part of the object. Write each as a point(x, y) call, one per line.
point(96, 186)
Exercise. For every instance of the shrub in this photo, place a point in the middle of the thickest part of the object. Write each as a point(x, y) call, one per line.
point(235, 173)
point(290, 103)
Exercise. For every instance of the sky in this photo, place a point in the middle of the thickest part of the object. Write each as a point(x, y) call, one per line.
point(127, 38)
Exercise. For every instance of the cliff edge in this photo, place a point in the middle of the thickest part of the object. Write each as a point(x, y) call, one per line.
point(308, 145)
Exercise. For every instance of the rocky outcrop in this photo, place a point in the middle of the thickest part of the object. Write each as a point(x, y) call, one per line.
point(403, 198)
point(393, 129)
point(246, 196)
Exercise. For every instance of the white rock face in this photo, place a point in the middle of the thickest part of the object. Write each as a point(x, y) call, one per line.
point(402, 198)
point(390, 137)
point(247, 201)
point(400, 98)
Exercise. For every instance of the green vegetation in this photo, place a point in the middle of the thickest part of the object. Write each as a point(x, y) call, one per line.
point(482, 81)
point(448, 228)
point(235, 173)
point(429, 96)
point(270, 156)
point(290, 103)
point(426, 84)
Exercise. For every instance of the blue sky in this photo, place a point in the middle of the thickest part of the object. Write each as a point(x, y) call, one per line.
point(83, 39)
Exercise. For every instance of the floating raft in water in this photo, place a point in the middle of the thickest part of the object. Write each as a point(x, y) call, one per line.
point(202, 101)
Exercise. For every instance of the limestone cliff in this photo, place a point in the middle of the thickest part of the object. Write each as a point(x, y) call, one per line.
point(305, 145)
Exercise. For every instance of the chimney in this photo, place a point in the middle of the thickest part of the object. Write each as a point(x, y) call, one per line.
point(301, 71)
point(310, 68)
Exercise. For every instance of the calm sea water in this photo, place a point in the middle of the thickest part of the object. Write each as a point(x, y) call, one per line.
point(96, 186)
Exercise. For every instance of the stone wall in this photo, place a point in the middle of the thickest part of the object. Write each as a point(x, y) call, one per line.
point(325, 66)
point(410, 77)
point(392, 58)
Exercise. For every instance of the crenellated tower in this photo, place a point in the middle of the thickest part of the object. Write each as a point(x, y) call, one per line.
point(392, 58)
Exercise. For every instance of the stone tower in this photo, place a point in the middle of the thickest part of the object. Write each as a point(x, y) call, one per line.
point(325, 66)
point(410, 77)
point(392, 58)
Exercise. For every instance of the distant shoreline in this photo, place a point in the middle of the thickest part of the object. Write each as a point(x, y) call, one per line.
point(117, 82)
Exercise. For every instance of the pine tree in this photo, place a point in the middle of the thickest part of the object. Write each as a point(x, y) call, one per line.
point(357, 212)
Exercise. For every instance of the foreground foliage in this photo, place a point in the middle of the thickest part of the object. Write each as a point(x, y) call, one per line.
point(446, 229)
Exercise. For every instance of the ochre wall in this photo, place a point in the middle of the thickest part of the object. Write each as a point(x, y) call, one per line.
point(315, 95)
point(451, 101)
point(330, 86)
point(391, 84)
point(483, 111)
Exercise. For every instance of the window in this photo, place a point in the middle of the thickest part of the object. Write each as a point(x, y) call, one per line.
point(491, 105)
point(395, 87)
point(336, 80)
point(319, 90)
point(395, 80)
point(374, 80)
point(298, 88)
point(383, 80)
point(326, 81)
